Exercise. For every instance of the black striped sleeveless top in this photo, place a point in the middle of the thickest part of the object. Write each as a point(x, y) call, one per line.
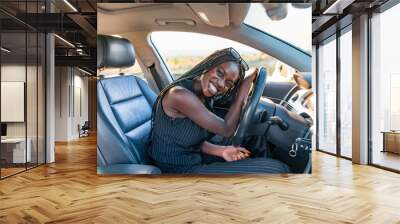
point(176, 141)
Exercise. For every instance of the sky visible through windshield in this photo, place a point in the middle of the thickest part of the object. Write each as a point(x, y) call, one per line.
point(295, 28)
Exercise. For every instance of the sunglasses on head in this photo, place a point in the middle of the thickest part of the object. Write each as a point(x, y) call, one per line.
point(237, 56)
point(232, 52)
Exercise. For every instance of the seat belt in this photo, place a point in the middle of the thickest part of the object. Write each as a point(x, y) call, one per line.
point(156, 76)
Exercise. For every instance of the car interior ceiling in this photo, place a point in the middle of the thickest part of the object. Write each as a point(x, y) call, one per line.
point(141, 16)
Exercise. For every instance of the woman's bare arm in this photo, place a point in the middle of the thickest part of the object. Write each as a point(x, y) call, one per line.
point(188, 104)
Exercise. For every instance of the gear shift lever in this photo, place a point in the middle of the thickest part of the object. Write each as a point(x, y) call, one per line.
point(275, 120)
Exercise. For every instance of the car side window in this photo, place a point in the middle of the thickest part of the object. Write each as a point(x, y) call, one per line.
point(181, 51)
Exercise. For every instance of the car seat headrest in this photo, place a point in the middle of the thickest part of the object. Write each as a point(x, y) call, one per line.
point(114, 52)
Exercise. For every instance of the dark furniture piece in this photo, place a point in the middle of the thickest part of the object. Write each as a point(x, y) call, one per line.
point(84, 129)
point(3, 129)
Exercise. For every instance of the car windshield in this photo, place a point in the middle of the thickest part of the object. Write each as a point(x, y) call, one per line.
point(294, 28)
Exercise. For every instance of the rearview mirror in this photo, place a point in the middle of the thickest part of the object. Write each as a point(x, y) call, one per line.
point(275, 11)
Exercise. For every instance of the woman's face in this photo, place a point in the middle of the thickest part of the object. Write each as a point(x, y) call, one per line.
point(219, 79)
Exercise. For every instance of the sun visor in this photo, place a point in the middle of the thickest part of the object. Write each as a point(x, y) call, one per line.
point(213, 14)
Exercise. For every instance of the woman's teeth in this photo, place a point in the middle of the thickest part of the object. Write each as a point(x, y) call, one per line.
point(213, 90)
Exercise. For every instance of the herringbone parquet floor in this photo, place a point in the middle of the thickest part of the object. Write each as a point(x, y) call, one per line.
point(70, 191)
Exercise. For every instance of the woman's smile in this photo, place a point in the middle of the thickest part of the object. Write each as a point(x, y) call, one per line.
point(219, 79)
point(212, 89)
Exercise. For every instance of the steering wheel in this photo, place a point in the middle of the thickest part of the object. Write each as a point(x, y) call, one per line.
point(248, 112)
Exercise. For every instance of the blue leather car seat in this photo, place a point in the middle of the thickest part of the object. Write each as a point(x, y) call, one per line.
point(124, 106)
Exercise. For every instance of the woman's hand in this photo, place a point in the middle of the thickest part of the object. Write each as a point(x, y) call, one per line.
point(231, 153)
point(244, 88)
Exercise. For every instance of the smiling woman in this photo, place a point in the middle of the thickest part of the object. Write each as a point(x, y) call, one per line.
point(183, 121)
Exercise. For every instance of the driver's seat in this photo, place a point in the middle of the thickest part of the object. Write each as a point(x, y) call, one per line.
point(124, 105)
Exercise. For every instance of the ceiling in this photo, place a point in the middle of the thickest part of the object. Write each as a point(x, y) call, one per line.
point(75, 22)
point(333, 15)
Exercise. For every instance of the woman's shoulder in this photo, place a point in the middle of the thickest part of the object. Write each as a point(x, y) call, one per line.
point(180, 93)
point(176, 98)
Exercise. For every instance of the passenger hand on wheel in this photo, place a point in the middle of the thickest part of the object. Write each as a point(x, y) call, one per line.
point(232, 153)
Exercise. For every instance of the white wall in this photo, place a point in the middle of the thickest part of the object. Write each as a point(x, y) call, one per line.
point(12, 73)
point(33, 126)
point(70, 83)
point(79, 117)
point(62, 81)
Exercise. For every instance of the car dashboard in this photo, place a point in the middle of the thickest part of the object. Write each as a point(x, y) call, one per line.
point(300, 102)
